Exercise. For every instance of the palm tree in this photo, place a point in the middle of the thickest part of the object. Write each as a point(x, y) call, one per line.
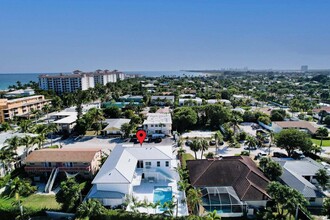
point(91, 208)
point(25, 126)
point(218, 138)
point(204, 146)
point(322, 114)
point(97, 116)
point(7, 156)
point(195, 146)
point(13, 143)
point(251, 142)
point(271, 137)
point(213, 215)
point(46, 109)
point(27, 140)
point(40, 140)
point(194, 199)
point(236, 119)
point(52, 128)
point(181, 151)
point(5, 126)
point(322, 132)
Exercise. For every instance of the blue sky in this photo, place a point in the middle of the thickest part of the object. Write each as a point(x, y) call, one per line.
point(63, 35)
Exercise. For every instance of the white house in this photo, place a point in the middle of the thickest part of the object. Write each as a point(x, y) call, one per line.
point(161, 99)
point(190, 101)
point(158, 123)
point(138, 171)
point(114, 125)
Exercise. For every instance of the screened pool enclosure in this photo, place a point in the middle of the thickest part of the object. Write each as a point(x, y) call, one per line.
point(222, 199)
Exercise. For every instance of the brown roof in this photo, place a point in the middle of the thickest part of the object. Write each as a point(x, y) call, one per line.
point(62, 155)
point(326, 108)
point(297, 124)
point(240, 172)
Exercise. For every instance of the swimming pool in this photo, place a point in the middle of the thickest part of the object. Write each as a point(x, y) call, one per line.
point(162, 194)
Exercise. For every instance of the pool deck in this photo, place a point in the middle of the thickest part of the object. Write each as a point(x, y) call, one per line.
point(145, 191)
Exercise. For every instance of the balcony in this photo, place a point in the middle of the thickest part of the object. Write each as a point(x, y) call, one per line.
point(49, 169)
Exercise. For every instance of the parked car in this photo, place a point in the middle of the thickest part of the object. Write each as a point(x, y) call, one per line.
point(298, 155)
point(279, 154)
point(188, 143)
point(260, 155)
point(250, 148)
point(158, 140)
point(212, 142)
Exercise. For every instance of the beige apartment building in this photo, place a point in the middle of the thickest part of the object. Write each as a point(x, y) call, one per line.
point(21, 106)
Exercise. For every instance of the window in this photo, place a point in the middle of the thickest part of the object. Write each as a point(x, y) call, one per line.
point(311, 199)
point(152, 126)
point(167, 163)
point(148, 164)
point(158, 163)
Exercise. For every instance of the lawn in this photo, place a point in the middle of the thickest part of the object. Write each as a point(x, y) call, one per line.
point(34, 201)
point(325, 143)
point(185, 157)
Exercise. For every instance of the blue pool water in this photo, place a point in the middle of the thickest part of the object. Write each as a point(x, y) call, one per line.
point(162, 194)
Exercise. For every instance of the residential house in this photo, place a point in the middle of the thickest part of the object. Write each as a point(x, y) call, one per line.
point(215, 101)
point(162, 100)
point(130, 98)
point(229, 185)
point(190, 101)
point(300, 175)
point(78, 160)
point(316, 111)
point(114, 125)
point(305, 126)
point(158, 123)
point(139, 171)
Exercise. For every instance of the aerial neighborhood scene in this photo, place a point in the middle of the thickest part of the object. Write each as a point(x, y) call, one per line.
point(165, 110)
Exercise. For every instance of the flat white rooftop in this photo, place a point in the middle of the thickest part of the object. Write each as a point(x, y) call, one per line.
point(158, 118)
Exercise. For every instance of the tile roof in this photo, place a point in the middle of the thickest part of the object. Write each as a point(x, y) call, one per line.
point(296, 124)
point(240, 172)
point(62, 155)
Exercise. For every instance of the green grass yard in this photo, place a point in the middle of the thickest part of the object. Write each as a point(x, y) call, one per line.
point(34, 201)
point(325, 143)
point(186, 157)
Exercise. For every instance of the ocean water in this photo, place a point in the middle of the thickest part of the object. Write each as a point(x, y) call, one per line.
point(7, 79)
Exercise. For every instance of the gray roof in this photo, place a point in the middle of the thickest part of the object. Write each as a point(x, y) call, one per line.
point(115, 123)
point(302, 185)
point(294, 172)
point(107, 194)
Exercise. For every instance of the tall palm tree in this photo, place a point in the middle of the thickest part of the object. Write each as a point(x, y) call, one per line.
point(235, 120)
point(218, 138)
point(27, 141)
point(97, 116)
point(25, 126)
point(204, 146)
point(13, 143)
point(322, 114)
point(40, 140)
point(251, 142)
point(7, 156)
point(5, 126)
point(322, 132)
point(271, 137)
point(195, 146)
point(194, 199)
point(46, 109)
point(52, 128)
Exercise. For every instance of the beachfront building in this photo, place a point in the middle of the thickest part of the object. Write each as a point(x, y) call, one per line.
point(19, 93)
point(147, 173)
point(21, 107)
point(230, 185)
point(158, 123)
point(66, 83)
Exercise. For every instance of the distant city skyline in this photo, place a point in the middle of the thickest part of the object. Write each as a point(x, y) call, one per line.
point(146, 35)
